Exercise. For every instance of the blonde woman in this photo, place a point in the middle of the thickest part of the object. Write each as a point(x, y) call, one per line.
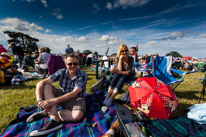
point(122, 73)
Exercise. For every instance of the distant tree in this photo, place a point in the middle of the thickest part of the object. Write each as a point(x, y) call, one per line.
point(96, 53)
point(87, 52)
point(174, 54)
point(23, 40)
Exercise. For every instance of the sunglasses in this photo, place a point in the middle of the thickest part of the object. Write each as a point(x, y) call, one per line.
point(70, 64)
point(124, 51)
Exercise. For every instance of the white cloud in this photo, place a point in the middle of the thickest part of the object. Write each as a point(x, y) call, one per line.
point(45, 3)
point(148, 39)
point(153, 42)
point(56, 12)
point(174, 35)
point(96, 8)
point(202, 36)
point(126, 4)
point(85, 27)
point(109, 6)
point(47, 31)
point(15, 24)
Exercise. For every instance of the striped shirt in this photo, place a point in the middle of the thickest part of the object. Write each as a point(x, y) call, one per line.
point(66, 84)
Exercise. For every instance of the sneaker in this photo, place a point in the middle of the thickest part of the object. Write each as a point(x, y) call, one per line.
point(51, 126)
point(30, 108)
point(105, 100)
point(109, 102)
point(36, 116)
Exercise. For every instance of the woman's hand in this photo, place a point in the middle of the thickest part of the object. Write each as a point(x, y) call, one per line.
point(114, 70)
point(121, 57)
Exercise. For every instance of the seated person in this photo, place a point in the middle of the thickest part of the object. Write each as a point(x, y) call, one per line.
point(41, 61)
point(5, 64)
point(133, 52)
point(122, 73)
point(69, 96)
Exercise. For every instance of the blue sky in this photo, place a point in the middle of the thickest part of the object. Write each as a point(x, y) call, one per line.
point(159, 26)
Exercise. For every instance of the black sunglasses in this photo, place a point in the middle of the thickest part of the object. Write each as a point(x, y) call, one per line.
point(70, 64)
point(124, 50)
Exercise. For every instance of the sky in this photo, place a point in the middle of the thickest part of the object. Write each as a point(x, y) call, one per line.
point(158, 26)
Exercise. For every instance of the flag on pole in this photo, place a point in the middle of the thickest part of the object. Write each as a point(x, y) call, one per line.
point(137, 46)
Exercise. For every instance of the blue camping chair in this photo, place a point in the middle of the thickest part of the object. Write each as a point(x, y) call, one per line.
point(161, 69)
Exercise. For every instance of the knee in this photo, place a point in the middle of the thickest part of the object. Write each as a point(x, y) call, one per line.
point(48, 87)
point(76, 116)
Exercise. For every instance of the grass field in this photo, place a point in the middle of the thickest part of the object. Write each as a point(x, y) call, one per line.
point(12, 98)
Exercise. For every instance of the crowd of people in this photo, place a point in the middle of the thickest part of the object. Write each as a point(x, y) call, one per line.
point(189, 63)
point(72, 83)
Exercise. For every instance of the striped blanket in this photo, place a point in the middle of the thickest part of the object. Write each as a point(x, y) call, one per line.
point(178, 127)
point(83, 128)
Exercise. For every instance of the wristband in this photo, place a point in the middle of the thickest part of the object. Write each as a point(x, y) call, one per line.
point(38, 100)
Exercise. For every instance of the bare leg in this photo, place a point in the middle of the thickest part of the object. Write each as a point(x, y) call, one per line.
point(48, 94)
point(110, 91)
point(67, 115)
point(114, 94)
point(109, 101)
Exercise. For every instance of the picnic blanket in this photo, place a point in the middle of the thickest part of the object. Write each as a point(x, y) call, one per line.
point(177, 127)
point(83, 128)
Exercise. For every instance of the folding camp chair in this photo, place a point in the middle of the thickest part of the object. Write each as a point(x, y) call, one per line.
point(203, 82)
point(161, 69)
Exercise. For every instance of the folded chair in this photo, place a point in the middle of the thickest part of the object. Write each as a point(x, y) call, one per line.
point(161, 69)
point(203, 82)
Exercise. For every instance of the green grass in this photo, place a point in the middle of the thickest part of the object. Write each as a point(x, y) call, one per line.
point(12, 98)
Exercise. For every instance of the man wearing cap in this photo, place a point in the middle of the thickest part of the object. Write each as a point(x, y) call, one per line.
point(68, 50)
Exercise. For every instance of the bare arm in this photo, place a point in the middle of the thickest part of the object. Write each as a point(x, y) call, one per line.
point(119, 67)
point(40, 88)
point(46, 104)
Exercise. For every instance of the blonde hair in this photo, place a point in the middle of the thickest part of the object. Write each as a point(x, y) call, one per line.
point(121, 46)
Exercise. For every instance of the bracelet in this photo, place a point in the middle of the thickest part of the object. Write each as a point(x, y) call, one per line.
point(38, 100)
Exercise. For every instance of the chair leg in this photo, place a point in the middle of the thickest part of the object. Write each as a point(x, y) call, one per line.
point(202, 94)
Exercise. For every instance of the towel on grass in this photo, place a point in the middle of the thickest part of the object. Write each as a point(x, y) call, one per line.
point(83, 128)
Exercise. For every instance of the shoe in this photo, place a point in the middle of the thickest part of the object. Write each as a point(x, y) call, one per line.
point(105, 100)
point(36, 116)
point(51, 126)
point(109, 102)
point(30, 108)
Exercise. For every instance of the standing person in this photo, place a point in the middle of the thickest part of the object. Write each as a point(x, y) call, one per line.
point(2, 49)
point(122, 73)
point(19, 52)
point(133, 52)
point(68, 50)
point(9, 50)
point(69, 96)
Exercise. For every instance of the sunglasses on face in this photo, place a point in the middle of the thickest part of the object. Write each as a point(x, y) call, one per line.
point(124, 51)
point(70, 64)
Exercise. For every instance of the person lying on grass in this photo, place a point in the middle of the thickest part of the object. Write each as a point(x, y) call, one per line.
point(69, 96)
